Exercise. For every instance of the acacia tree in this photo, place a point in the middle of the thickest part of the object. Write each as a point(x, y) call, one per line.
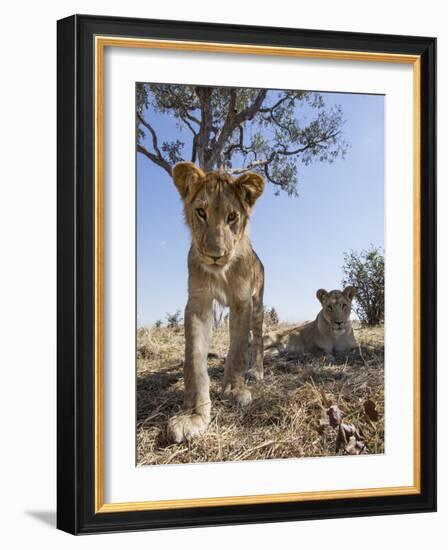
point(173, 320)
point(271, 317)
point(240, 129)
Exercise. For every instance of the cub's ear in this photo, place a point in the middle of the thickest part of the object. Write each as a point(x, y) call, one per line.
point(186, 176)
point(321, 295)
point(250, 186)
point(349, 292)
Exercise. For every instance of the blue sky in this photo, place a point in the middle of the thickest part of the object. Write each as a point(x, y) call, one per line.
point(301, 241)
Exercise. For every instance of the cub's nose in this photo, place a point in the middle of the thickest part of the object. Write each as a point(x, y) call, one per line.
point(339, 323)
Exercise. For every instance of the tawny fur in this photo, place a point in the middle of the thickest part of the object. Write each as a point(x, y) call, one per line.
point(331, 331)
point(222, 266)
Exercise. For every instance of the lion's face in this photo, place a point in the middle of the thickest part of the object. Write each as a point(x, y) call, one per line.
point(217, 209)
point(336, 307)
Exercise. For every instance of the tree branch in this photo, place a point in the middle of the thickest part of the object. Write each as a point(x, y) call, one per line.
point(174, 107)
point(270, 177)
point(226, 130)
point(160, 161)
point(194, 148)
point(251, 166)
point(251, 111)
point(273, 107)
point(233, 120)
point(204, 94)
point(309, 145)
point(153, 135)
point(239, 145)
point(190, 127)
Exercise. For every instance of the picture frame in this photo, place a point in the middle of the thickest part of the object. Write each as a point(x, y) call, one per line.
point(82, 42)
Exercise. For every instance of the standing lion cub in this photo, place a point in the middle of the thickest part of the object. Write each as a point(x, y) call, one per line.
point(221, 266)
point(331, 331)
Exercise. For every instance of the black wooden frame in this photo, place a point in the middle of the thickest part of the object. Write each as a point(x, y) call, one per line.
point(75, 174)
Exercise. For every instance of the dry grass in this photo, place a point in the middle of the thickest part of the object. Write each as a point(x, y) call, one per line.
point(283, 419)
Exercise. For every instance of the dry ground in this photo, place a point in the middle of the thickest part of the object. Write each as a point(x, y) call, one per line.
point(284, 419)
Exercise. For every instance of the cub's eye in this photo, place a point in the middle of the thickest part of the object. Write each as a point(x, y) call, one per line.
point(344, 306)
point(231, 217)
point(330, 308)
point(201, 213)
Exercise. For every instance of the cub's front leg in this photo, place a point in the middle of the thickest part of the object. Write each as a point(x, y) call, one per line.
point(238, 356)
point(198, 330)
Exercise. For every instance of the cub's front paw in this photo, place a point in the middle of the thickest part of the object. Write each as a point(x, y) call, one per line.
point(240, 395)
point(186, 426)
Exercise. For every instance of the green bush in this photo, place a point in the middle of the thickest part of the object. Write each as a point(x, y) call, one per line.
point(365, 271)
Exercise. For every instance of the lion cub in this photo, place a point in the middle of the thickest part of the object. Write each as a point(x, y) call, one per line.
point(331, 331)
point(221, 266)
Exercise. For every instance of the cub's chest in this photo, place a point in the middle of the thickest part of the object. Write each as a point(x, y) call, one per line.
point(229, 290)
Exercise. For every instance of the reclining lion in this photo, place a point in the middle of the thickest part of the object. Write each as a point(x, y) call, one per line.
point(331, 331)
